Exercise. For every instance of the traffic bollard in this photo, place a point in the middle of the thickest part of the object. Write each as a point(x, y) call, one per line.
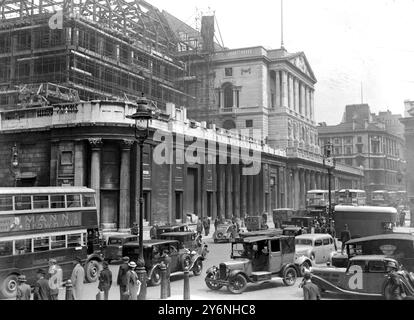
point(186, 284)
point(164, 283)
point(69, 293)
point(142, 277)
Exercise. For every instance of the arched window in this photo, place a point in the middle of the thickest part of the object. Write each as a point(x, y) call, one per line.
point(228, 96)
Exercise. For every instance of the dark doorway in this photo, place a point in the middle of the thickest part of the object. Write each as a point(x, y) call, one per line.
point(178, 205)
point(191, 191)
point(209, 204)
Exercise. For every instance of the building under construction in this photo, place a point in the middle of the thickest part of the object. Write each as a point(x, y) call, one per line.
point(111, 50)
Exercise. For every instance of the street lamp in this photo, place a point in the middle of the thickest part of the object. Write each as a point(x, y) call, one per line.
point(146, 111)
point(329, 162)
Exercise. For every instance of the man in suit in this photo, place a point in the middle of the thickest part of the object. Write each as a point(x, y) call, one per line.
point(122, 278)
point(23, 289)
point(41, 289)
point(310, 290)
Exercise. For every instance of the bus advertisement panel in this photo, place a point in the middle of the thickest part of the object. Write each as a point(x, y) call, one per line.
point(41, 223)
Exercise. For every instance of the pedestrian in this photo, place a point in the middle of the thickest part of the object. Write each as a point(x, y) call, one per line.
point(206, 225)
point(121, 279)
point(167, 260)
point(153, 232)
point(55, 279)
point(105, 280)
point(41, 288)
point(199, 226)
point(233, 231)
point(317, 227)
point(332, 232)
point(23, 289)
point(204, 252)
point(216, 223)
point(133, 283)
point(402, 218)
point(345, 236)
point(310, 290)
point(77, 278)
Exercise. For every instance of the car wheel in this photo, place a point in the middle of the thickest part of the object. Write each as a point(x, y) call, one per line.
point(155, 277)
point(303, 267)
point(211, 285)
point(289, 276)
point(186, 261)
point(93, 268)
point(8, 287)
point(198, 267)
point(238, 284)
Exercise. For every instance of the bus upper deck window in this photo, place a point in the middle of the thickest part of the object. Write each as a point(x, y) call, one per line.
point(6, 203)
point(73, 200)
point(88, 200)
point(6, 248)
point(40, 202)
point(57, 201)
point(22, 202)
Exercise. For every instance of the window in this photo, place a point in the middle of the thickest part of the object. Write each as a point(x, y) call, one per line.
point(348, 162)
point(360, 263)
point(40, 202)
point(359, 148)
point(359, 139)
point(74, 240)
point(6, 203)
point(337, 150)
point(288, 245)
point(57, 201)
point(228, 96)
point(88, 200)
point(228, 72)
point(66, 158)
point(318, 242)
point(23, 246)
point(73, 200)
point(23, 202)
point(348, 150)
point(41, 244)
point(57, 242)
point(376, 266)
point(275, 245)
point(337, 141)
point(326, 241)
point(348, 140)
point(249, 123)
point(6, 248)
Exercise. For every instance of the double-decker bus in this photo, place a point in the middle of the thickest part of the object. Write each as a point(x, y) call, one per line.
point(352, 197)
point(40, 223)
point(365, 221)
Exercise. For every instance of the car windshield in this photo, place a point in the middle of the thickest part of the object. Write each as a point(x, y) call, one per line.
point(115, 241)
point(306, 242)
point(242, 250)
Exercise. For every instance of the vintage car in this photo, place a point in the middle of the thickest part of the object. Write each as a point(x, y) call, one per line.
point(255, 259)
point(186, 239)
point(293, 231)
point(365, 275)
point(267, 232)
point(319, 247)
point(170, 228)
point(282, 215)
point(112, 250)
point(153, 249)
point(224, 232)
point(399, 246)
point(255, 223)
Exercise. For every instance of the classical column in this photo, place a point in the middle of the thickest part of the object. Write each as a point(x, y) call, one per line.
point(278, 91)
point(236, 190)
point(291, 95)
point(124, 186)
point(302, 188)
point(297, 188)
point(243, 194)
point(305, 100)
point(250, 196)
point(311, 105)
point(229, 192)
point(80, 172)
point(284, 90)
point(298, 109)
point(221, 204)
point(95, 172)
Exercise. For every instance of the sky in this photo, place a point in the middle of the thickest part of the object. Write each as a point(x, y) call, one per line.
point(350, 44)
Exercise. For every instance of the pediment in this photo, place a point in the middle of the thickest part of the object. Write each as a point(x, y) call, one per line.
point(300, 62)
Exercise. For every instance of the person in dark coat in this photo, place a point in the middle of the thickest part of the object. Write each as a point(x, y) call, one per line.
point(332, 232)
point(206, 225)
point(167, 260)
point(121, 279)
point(41, 288)
point(310, 290)
point(216, 223)
point(105, 280)
point(345, 236)
point(23, 289)
point(153, 232)
point(199, 227)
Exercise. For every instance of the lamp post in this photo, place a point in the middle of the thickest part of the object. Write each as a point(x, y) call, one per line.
point(146, 111)
point(329, 162)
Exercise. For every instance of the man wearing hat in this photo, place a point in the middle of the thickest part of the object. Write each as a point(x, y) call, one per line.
point(105, 280)
point(310, 290)
point(122, 278)
point(41, 288)
point(77, 278)
point(55, 279)
point(23, 289)
point(133, 283)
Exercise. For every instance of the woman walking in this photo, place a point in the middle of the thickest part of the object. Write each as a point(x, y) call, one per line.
point(133, 284)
